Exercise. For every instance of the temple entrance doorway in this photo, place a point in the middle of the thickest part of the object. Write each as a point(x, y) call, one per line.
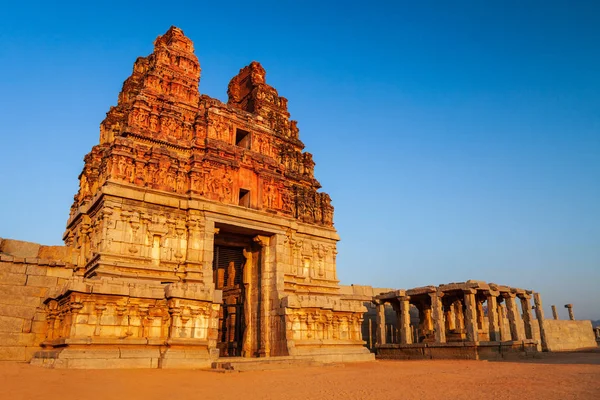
point(228, 267)
point(237, 273)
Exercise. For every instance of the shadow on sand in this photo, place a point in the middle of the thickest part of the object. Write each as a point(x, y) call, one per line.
point(586, 356)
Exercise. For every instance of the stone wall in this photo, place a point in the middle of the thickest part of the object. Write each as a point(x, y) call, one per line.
point(27, 272)
point(564, 335)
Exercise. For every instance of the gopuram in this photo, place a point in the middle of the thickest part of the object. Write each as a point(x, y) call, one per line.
point(199, 231)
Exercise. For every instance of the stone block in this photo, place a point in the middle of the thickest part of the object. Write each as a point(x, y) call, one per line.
point(9, 292)
point(13, 268)
point(140, 352)
point(36, 270)
point(42, 281)
point(90, 353)
point(59, 272)
point(27, 301)
point(17, 339)
point(18, 248)
point(58, 253)
point(11, 324)
point(17, 311)
point(13, 353)
point(8, 278)
point(109, 363)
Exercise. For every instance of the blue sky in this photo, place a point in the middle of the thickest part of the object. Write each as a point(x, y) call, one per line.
point(458, 140)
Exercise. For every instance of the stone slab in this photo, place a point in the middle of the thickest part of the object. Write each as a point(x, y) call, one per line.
point(13, 353)
point(11, 324)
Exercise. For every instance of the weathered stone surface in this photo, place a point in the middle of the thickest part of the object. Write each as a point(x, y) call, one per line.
point(7, 278)
point(42, 281)
point(10, 324)
point(17, 311)
point(564, 335)
point(18, 248)
point(13, 353)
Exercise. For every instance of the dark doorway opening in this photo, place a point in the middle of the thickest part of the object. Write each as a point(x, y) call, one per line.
point(228, 269)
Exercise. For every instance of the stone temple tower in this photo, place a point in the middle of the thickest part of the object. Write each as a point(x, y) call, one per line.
point(199, 230)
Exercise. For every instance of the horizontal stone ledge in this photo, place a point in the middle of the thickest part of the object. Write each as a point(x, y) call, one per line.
point(88, 341)
point(328, 342)
point(186, 342)
point(455, 344)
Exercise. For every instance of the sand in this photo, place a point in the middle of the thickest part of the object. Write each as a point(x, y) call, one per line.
point(568, 376)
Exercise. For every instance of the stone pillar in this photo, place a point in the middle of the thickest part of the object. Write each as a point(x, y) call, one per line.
point(471, 315)
point(493, 323)
point(264, 349)
point(404, 320)
point(380, 321)
point(439, 326)
point(539, 314)
point(554, 312)
point(425, 319)
point(504, 334)
point(513, 316)
point(570, 308)
point(450, 317)
point(527, 317)
point(459, 316)
point(479, 308)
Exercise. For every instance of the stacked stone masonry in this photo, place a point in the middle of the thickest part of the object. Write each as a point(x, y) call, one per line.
point(28, 272)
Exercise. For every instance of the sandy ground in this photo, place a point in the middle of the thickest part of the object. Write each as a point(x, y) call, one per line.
point(565, 376)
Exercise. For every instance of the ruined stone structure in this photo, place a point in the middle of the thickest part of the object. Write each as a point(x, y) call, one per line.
point(199, 231)
point(463, 320)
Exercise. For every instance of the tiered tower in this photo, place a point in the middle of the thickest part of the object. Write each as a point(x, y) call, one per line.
point(199, 227)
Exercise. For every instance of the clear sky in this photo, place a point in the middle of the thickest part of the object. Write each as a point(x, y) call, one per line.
point(458, 140)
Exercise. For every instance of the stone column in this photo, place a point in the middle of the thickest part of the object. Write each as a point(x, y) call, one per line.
point(380, 321)
point(492, 309)
point(459, 316)
point(438, 317)
point(479, 308)
point(539, 314)
point(264, 349)
point(527, 317)
point(471, 315)
point(554, 312)
point(404, 323)
point(570, 308)
point(450, 317)
point(513, 316)
point(504, 334)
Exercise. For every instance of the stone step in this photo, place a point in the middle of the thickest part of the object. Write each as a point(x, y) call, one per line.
point(263, 364)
